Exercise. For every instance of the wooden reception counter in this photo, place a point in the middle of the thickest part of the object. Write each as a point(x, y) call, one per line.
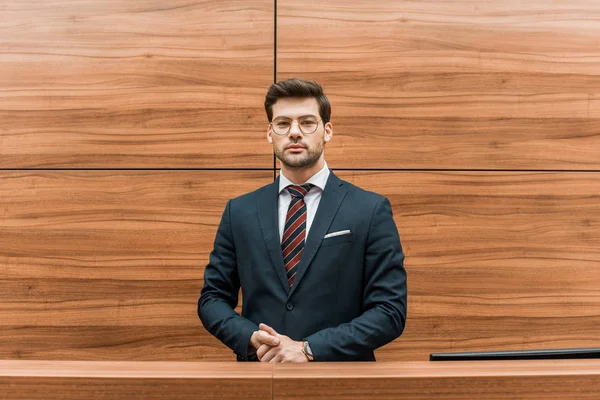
point(548, 379)
point(474, 380)
point(91, 380)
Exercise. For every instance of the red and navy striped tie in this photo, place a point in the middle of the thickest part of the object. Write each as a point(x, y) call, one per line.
point(294, 231)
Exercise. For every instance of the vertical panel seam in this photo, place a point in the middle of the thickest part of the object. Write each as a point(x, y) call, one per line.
point(274, 71)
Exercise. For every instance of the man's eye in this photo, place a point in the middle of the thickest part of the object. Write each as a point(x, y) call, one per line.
point(308, 123)
point(283, 124)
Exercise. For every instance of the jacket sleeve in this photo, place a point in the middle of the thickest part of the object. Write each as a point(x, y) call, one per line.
point(220, 294)
point(384, 296)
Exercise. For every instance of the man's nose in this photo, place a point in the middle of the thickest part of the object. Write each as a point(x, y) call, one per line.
point(295, 129)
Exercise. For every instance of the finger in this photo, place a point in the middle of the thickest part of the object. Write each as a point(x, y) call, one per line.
point(262, 350)
point(254, 339)
point(269, 355)
point(277, 359)
point(268, 329)
point(265, 338)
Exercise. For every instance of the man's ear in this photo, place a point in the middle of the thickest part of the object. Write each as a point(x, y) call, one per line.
point(328, 131)
point(269, 133)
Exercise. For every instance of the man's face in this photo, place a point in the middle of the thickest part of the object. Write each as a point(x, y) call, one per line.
point(297, 149)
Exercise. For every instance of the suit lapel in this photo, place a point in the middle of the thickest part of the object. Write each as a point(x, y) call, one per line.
point(333, 195)
point(269, 223)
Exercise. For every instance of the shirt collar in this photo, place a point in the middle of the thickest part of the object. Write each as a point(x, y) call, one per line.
point(319, 179)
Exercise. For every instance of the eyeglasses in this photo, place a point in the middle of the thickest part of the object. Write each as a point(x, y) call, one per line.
point(307, 125)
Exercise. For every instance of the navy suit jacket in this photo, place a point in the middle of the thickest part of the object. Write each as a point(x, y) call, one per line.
point(349, 294)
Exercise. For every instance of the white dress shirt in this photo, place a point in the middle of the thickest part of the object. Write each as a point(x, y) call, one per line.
point(312, 198)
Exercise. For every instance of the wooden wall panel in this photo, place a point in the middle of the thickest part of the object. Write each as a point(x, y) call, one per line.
point(135, 84)
point(495, 260)
point(469, 84)
point(109, 264)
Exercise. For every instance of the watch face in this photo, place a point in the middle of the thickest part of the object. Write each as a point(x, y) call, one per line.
point(307, 349)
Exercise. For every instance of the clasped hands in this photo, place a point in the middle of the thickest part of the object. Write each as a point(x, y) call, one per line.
point(272, 347)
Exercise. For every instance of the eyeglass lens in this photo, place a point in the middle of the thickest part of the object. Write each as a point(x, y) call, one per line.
point(307, 125)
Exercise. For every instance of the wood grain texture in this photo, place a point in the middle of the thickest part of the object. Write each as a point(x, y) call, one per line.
point(453, 85)
point(133, 380)
point(135, 84)
point(564, 379)
point(113, 343)
point(495, 260)
point(559, 379)
point(103, 265)
point(134, 369)
point(109, 264)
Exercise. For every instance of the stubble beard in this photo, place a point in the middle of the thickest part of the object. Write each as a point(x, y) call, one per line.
point(306, 160)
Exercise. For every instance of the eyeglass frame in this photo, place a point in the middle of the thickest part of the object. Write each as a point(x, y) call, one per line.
point(297, 123)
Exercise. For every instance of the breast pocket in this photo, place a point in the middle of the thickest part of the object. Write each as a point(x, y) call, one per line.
point(334, 240)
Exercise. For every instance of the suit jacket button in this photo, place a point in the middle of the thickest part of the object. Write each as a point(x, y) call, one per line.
point(289, 306)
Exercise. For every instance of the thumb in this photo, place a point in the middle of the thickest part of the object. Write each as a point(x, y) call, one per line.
point(268, 329)
point(265, 338)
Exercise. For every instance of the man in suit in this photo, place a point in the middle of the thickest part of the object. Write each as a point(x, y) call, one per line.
point(318, 259)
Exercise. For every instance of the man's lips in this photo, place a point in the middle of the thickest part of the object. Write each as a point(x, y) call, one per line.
point(295, 147)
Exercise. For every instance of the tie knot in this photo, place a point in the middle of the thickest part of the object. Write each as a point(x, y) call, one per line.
point(299, 191)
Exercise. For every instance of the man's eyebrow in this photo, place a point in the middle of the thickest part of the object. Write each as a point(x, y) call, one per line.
point(302, 116)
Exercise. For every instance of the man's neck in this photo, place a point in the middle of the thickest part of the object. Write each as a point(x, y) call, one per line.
point(298, 176)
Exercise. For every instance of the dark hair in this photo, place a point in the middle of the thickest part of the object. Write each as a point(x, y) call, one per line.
point(298, 88)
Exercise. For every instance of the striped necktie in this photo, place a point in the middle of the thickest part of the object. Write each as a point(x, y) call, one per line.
point(294, 231)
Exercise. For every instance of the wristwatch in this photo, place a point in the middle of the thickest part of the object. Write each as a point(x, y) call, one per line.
point(307, 351)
